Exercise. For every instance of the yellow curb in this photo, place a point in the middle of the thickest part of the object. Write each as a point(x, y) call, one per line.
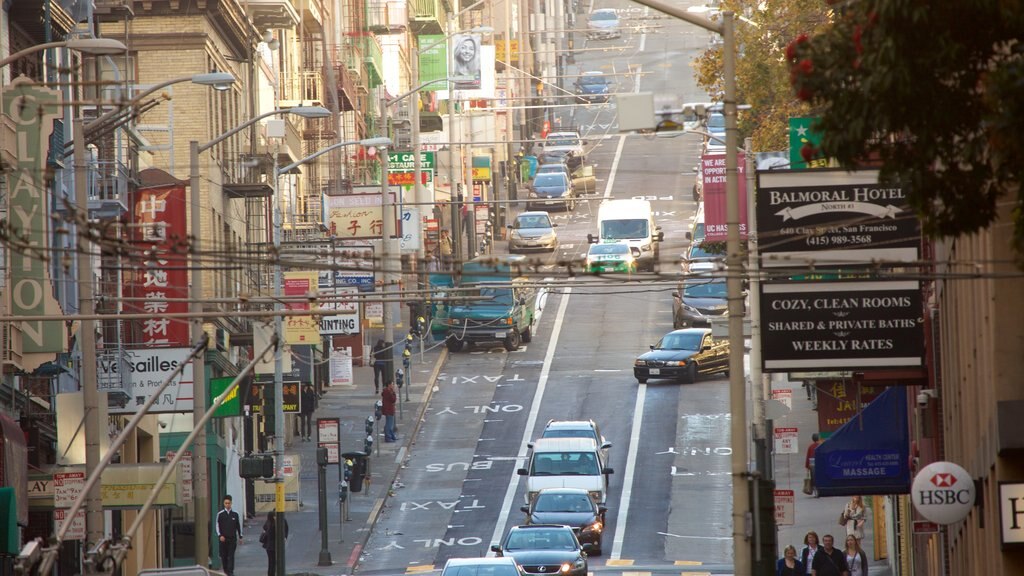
point(419, 569)
point(688, 563)
point(619, 562)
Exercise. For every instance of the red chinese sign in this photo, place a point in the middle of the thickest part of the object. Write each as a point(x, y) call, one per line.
point(161, 278)
point(838, 402)
point(407, 178)
point(713, 174)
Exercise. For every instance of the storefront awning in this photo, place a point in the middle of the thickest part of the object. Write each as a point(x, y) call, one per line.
point(870, 454)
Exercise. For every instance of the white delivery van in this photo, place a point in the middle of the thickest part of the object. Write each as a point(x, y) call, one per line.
point(566, 463)
point(632, 222)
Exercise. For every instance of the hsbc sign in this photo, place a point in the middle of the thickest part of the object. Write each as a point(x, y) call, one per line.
point(943, 492)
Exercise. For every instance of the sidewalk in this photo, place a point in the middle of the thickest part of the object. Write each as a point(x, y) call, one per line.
point(818, 514)
point(345, 541)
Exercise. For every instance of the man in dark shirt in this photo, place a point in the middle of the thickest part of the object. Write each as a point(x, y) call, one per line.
point(388, 400)
point(829, 561)
point(229, 533)
point(308, 405)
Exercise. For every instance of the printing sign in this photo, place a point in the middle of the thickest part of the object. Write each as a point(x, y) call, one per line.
point(345, 320)
point(835, 326)
point(147, 369)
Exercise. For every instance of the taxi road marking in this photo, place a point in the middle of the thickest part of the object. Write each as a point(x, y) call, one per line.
point(419, 569)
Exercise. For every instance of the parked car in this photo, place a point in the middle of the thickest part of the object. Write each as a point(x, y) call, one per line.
point(551, 191)
point(576, 429)
point(593, 87)
point(482, 567)
point(571, 507)
point(603, 23)
point(566, 463)
point(532, 231)
point(617, 257)
point(698, 302)
point(555, 167)
point(683, 355)
point(545, 549)
point(699, 261)
point(563, 141)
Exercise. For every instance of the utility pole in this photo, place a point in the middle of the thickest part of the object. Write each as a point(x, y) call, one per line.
point(195, 294)
point(387, 231)
point(94, 527)
point(279, 541)
point(453, 203)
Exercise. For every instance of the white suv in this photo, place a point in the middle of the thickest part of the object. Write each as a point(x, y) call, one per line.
point(564, 142)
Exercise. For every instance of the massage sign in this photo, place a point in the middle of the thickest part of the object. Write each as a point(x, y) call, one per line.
point(824, 238)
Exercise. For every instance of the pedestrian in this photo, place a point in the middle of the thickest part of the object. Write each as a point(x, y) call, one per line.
point(810, 488)
point(268, 539)
point(854, 516)
point(380, 364)
point(856, 559)
point(829, 561)
point(388, 400)
point(308, 405)
point(788, 565)
point(430, 264)
point(810, 548)
point(229, 533)
point(444, 246)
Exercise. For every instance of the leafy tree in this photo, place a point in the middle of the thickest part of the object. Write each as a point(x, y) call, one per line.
point(932, 93)
point(762, 73)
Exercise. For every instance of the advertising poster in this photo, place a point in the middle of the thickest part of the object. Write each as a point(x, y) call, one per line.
point(715, 199)
point(146, 371)
point(357, 216)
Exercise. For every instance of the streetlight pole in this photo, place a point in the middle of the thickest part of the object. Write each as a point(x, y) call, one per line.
point(742, 520)
point(200, 476)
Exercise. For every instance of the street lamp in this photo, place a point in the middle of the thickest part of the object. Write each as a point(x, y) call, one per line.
point(279, 545)
point(742, 522)
point(199, 473)
point(94, 46)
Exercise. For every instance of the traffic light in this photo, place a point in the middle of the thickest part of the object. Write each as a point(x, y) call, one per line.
point(250, 467)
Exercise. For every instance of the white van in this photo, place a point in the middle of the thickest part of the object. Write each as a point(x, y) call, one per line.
point(566, 463)
point(632, 222)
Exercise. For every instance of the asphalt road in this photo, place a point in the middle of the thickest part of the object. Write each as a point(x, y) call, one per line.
point(669, 497)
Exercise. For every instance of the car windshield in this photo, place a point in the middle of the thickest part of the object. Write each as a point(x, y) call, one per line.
point(553, 169)
point(534, 539)
point(593, 80)
point(482, 570)
point(604, 15)
point(697, 252)
point(550, 179)
point(716, 121)
point(563, 503)
point(537, 221)
point(609, 249)
point(565, 464)
point(714, 289)
point(570, 433)
point(490, 295)
point(680, 342)
point(623, 229)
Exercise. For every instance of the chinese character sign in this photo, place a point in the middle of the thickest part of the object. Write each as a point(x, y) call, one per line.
point(300, 329)
point(354, 216)
point(161, 278)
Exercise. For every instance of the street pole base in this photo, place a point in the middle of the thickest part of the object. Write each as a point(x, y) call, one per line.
point(325, 558)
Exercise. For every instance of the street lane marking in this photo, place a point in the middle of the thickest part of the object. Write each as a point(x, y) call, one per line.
point(688, 563)
point(627, 484)
point(615, 166)
point(531, 421)
point(419, 569)
point(618, 562)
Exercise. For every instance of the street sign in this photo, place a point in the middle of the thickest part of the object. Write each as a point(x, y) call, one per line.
point(784, 396)
point(406, 161)
point(925, 527)
point(785, 508)
point(786, 441)
point(77, 529)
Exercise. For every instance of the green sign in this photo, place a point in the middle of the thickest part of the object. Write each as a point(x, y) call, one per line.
point(232, 405)
point(9, 537)
point(406, 161)
point(802, 133)
point(433, 61)
point(33, 110)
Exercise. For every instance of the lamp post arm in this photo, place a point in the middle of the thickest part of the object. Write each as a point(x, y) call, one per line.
point(98, 121)
point(314, 155)
point(31, 50)
point(415, 90)
point(681, 13)
point(239, 128)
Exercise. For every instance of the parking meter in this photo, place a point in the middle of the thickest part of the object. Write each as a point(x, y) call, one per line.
point(421, 325)
point(378, 409)
point(368, 444)
point(347, 470)
point(406, 358)
point(359, 470)
point(369, 425)
point(342, 491)
point(399, 378)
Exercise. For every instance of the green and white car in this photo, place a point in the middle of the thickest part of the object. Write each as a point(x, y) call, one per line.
point(614, 257)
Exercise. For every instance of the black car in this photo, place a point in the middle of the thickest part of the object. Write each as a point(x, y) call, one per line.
point(545, 549)
point(682, 355)
point(698, 301)
point(572, 507)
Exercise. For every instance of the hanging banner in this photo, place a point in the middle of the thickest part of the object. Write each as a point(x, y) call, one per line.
point(465, 61)
point(433, 62)
point(300, 329)
point(715, 198)
point(341, 367)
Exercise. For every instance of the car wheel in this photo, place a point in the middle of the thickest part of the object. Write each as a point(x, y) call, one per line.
point(512, 341)
point(528, 335)
point(453, 344)
point(691, 373)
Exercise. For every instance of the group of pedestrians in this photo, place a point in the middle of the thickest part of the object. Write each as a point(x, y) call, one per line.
point(822, 558)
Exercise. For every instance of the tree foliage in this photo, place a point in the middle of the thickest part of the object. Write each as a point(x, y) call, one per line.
point(933, 92)
point(762, 73)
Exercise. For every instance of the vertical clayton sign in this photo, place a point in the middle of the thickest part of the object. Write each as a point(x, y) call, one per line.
point(33, 109)
point(159, 214)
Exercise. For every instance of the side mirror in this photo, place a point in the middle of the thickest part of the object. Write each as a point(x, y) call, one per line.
point(689, 236)
point(529, 445)
point(705, 348)
point(509, 226)
point(607, 471)
point(523, 472)
point(496, 549)
point(602, 509)
point(525, 509)
point(651, 346)
point(661, 236)
point(591, 239)
point(606, 446)
point(676, 295)
point(587, 548)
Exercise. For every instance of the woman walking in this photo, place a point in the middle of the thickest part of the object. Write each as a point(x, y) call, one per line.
point(788, 565)
point(809, 550)
point(856, 559)
point(268, 539)
point(856, 517)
